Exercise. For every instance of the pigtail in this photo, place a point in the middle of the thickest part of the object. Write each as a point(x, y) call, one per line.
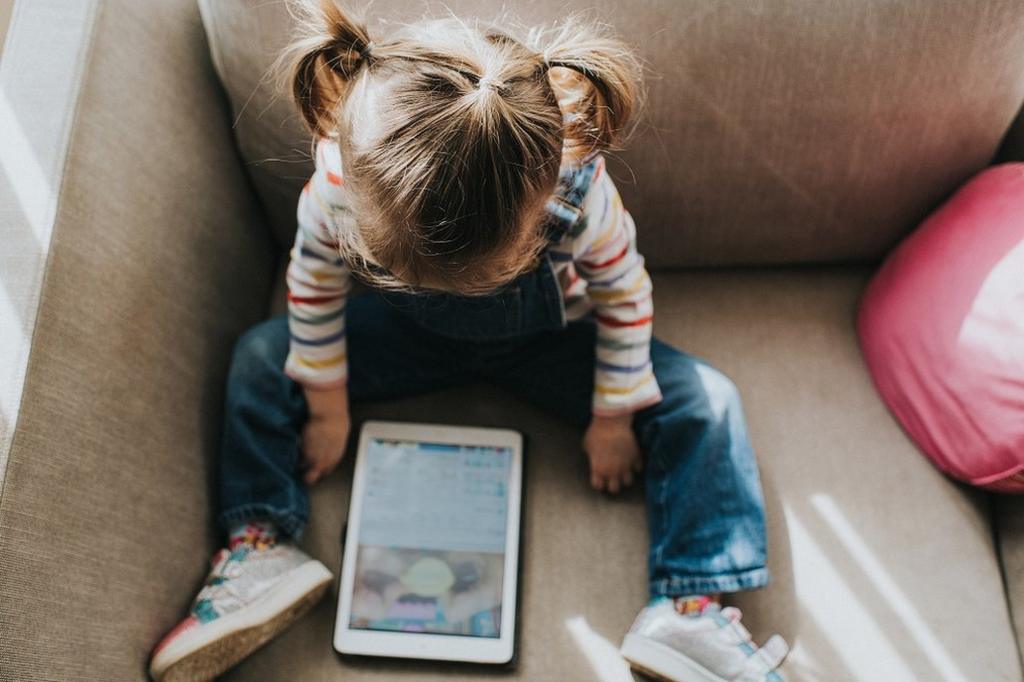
point(597, 117)
point(325, 61)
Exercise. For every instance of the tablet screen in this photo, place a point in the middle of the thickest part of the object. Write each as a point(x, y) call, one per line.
point(432, 538)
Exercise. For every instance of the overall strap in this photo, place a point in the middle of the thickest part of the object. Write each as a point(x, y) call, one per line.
point(565, 205)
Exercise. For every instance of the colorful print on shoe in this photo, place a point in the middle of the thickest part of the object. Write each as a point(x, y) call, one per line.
point(705, 645)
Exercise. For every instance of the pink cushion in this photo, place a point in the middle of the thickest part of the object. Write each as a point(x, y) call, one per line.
point(942, 329)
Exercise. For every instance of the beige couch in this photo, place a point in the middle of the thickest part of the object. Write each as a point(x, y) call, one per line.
point(789, 144)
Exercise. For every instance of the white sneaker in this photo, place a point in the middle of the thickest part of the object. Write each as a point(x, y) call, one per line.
point(710, 646)
point(250, 596)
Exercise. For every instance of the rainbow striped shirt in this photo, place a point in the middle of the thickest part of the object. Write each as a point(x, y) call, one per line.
point(597, 264)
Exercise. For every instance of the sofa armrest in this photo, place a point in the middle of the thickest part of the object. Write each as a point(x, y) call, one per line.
point(132, 254)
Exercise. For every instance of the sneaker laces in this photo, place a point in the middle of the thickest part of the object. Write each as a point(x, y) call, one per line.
point(223, 592)
point(732, 616)
point(762, 663)
point(219, 584)
point(761, 660)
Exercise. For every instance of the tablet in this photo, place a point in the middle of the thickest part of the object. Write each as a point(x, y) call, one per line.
point(431, 557)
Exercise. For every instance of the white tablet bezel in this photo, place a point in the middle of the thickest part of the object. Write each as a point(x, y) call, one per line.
point(417, 645)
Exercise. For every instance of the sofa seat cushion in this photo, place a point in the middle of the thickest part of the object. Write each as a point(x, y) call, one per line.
point(884, 569)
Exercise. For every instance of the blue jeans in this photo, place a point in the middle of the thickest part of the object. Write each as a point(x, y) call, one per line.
point(705, 508)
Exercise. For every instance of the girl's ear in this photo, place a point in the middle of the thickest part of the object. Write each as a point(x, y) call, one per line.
point(598, 117)
point(324, 62)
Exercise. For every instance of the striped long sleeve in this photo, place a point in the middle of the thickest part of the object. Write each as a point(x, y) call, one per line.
point(318, 280)
point(619, 288)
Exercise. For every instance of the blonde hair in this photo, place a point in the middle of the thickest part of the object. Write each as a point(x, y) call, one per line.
point(452, 136)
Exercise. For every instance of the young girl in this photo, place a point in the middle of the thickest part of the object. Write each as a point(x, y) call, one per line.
point(474, 199)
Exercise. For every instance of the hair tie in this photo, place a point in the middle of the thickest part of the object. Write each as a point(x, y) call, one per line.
point(491, 83)
point(366, 52)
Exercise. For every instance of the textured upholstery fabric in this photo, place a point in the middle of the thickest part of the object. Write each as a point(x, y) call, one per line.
point(873, 551)
point(105, 514)
point(105, 511)
point(777, 131)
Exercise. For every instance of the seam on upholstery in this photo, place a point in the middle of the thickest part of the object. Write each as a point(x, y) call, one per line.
point(1011, 144)
point(209, 20)
point(997, 511)
point(83, 60)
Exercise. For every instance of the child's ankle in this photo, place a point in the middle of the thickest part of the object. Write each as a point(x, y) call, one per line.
point(255, 534)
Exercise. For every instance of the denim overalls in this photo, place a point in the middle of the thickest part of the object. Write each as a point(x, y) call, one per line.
point(704, 501)
point(531, 303)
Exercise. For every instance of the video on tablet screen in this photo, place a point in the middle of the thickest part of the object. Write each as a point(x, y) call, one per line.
point(432, 539)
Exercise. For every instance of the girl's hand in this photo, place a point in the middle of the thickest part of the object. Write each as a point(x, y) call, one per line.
point(613, 451)
point(325, 433)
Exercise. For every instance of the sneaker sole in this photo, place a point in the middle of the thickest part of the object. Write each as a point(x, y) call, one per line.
point(220, 645)
point(662, 662)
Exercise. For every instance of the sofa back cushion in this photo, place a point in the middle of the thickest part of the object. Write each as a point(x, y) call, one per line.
point(776, 132)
